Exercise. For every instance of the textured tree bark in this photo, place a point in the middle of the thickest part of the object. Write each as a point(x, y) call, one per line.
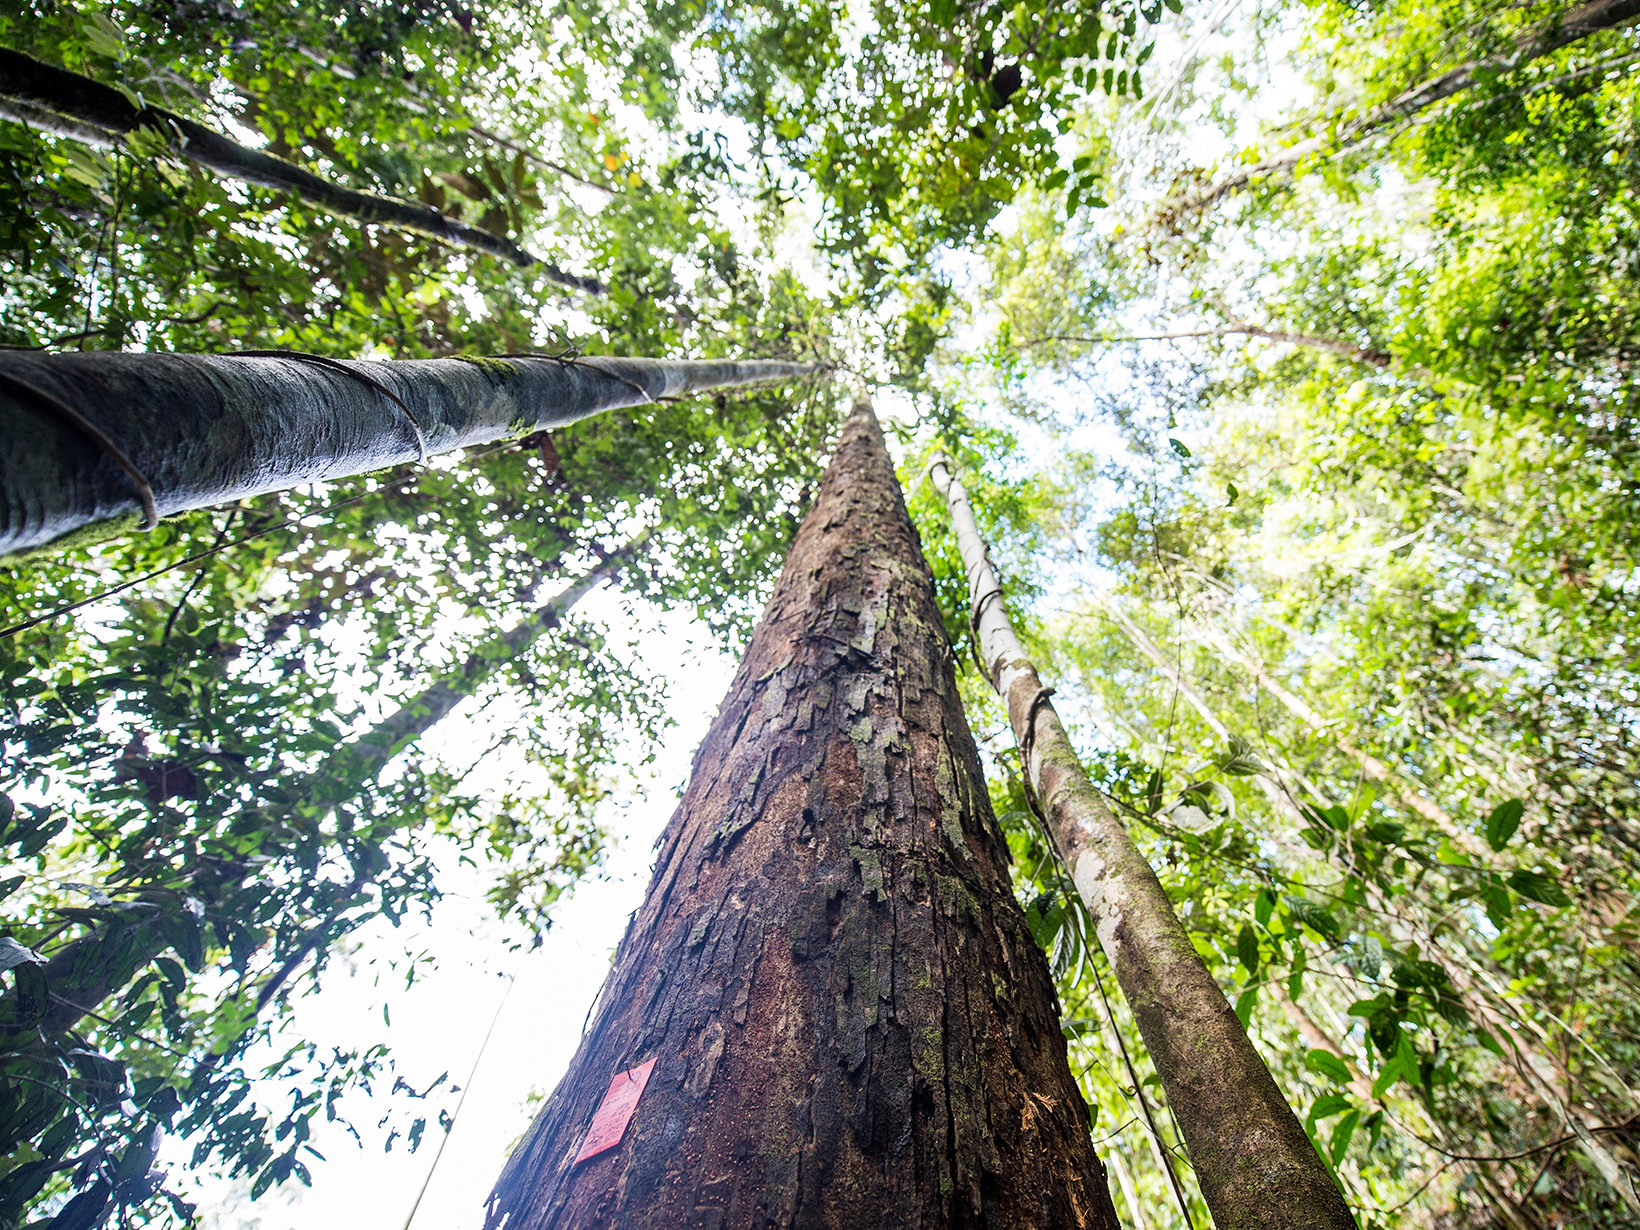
point(1255, 1165)
point(67, 104)
point(850, 1023)
point(92, 443)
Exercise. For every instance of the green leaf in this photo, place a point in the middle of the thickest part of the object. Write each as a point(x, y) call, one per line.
point(1324, 1107)
point(1153, 792)
point(1498, 906)
point(1232, 493)
point(1503, 822)
point(1404, 1063)
point(1342, 1134)
point(1328, 1064)
point(1313, 916)
point(1384, 1028)
point(1240, 760)
point(1178, 446)
point(1264, 906)
point(1535, 886)
point(1244, 1005)
point(1247, 949)
point(1295, 976)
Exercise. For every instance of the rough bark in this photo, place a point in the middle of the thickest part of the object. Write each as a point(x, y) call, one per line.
point(1253, 1161)
point(1569, 27)
point(84, 972)
point(92, 443)
point(851, 1023)
point(67, 104)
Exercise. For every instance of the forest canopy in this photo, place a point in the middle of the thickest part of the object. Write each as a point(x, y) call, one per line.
point(1287, 352)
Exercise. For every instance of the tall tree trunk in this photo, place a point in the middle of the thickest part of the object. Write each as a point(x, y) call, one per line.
point(92, 443)
point(849, 1022)
point(67, 104)
point(84, 972)
point(1253, 1161)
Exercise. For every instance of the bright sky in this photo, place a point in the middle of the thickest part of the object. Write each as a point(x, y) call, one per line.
point(439, 1024)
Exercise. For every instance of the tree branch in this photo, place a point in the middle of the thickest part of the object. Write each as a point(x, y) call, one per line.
point(1568, 28)
point(68, 104)
point(1362, 354)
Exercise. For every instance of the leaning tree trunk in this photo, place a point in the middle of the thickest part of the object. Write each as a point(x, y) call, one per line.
point(94, 443)
point(849, 1022)
point(1254, 1162)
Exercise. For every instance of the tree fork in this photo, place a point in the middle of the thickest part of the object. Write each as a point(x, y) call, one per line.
point(1254, 1163)
point(850, 1021)
point(95, 443)
point(67, 104)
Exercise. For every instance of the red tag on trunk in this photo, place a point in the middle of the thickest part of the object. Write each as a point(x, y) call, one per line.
point(615, 1111)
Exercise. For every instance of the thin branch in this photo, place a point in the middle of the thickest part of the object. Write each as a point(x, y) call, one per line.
point(68, 104)
point(1362, 354)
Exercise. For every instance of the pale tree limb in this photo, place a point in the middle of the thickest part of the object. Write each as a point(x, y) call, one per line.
point(1252, 1158)
point(1362, 354)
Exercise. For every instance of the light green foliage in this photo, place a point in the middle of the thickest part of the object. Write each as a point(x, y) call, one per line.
point(1415, 517)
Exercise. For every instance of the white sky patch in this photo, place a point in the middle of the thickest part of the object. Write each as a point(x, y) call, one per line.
point(437, 1025)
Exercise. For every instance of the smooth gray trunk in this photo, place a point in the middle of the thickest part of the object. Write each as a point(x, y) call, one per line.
point(1253, 1161)
point(83, 435)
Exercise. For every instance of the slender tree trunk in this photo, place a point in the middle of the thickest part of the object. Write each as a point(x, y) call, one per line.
point(94, 443)
point(849, 1022)
point(84, 972)
point(1253, 1161)
point(1569, 27)
point(67, 104)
